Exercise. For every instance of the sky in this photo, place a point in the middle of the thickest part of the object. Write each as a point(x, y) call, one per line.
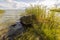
point(22, 4)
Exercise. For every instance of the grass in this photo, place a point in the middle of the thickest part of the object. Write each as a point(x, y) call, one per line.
point(45, 27)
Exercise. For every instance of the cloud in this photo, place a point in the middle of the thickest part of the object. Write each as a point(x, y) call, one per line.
point(9, 0)
point(27, 1)
point(5, 5)
point(48, 3)
point(11, 4)
point(21, 4)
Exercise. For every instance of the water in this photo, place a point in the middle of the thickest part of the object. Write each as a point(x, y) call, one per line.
point(9, 17)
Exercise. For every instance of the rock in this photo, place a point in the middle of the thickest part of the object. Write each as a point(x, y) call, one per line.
point(14, 30)
point(18, 28)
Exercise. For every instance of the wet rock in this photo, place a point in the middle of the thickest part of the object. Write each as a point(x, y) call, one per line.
point(19, 27)
point(13, 31)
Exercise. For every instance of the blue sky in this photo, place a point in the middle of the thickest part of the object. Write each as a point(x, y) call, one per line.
point(16, 4)
point(1, 0)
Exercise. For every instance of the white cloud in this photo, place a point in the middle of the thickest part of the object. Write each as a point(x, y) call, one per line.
point(6, 5)
point(12, 4)
point(9, 0)
point(48, 3)
point(21, 4)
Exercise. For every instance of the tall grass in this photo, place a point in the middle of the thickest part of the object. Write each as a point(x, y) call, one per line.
point(44, 26)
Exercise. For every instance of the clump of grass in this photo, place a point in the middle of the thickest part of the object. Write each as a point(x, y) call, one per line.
point(44, 28)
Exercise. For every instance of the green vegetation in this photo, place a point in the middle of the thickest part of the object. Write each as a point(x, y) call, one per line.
point(45, 27)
